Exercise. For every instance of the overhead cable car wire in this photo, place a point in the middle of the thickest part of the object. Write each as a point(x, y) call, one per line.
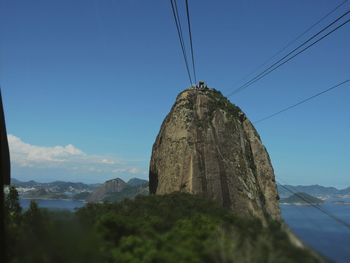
point(302, 101)
point(280, 62)
point(294, 40)
point(180, 35)
point(191, 42)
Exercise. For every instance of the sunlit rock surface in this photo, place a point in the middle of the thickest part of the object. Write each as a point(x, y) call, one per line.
point(207, 146)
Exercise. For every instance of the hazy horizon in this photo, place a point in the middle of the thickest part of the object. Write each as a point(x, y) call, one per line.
point(136, 177)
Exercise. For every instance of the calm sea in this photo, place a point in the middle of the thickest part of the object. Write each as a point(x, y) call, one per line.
point(319, 231)
point(316, 229)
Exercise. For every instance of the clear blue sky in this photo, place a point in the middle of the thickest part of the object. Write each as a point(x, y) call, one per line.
point(102, 75)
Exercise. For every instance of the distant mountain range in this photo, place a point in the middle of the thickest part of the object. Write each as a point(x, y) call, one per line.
point(81, 191)
point(117, 189)
point(60, 186)
point(318, 191)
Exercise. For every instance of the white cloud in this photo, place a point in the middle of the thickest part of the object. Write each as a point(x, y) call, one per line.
point(69, 157)
point(25, 154)
point(106, 161)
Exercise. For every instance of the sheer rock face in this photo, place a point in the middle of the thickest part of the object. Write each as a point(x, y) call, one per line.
point(207, 146)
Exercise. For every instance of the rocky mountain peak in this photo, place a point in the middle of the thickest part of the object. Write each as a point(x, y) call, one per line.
point(207, 146)
point(110, 186)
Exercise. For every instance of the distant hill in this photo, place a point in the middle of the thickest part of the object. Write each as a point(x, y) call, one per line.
point(53, 190)
point(301, 198)
point(112, 190)
point(116, 190)
point(345, 191)
point(137, 182)
point(59, 186)
point(314, 190)
point(129, 192)
point(110, 186)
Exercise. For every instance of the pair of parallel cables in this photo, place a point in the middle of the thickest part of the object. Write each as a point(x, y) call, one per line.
point(313, 40)
point(181, 39)
point(336, 24)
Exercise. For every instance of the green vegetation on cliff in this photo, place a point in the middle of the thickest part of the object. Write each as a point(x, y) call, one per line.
point(169, 228)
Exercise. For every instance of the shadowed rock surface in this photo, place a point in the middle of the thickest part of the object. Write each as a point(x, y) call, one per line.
point(207, 146)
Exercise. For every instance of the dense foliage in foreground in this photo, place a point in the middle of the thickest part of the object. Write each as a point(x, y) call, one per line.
point(171, 228)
